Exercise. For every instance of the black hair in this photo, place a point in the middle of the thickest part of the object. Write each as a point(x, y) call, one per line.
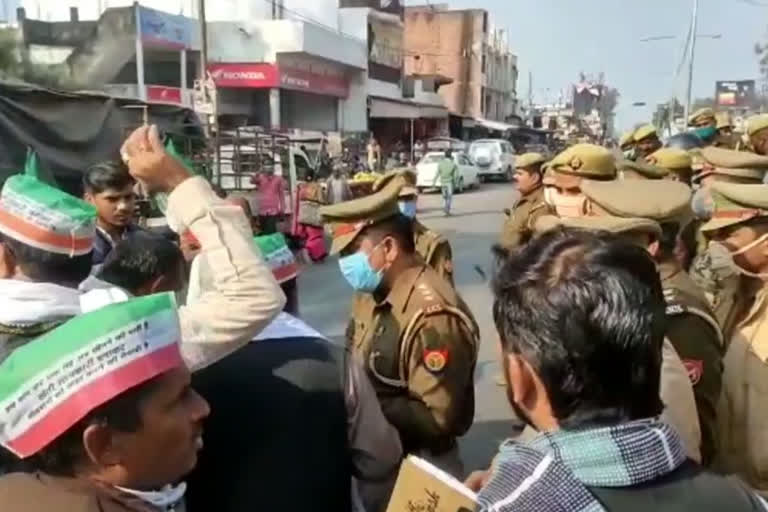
point(139, 258)
point(66, 454)
point(586, 310)
point(669, 237)
point(49, 267)
point(111, 174)
point(398, 227)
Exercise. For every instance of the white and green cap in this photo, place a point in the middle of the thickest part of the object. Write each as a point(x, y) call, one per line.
point(45, 217)
point(52, 382)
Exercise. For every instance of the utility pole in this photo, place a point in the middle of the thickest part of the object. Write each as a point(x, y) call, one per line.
point(691, 57)
point(203, 40)
point(530, 98)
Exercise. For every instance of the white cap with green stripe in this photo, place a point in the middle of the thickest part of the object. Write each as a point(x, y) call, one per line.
point(52, 382)
point(45, 217)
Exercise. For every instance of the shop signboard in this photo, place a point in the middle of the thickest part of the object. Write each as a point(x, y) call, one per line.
point(735, 93)
point(385, 42)
point(162, 94)
point(265, 76)
point(165, 29)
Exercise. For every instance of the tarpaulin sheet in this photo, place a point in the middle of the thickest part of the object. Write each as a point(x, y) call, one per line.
point(71, 131)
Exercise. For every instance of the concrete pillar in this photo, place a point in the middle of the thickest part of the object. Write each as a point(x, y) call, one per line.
point(183, 70)
point(274, 109)
point(140, 58)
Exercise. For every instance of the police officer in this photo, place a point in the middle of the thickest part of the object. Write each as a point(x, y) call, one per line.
point(651, 214)
point(757, 133)
point(569, 169)
point(640, 170)
point(676, 161)
point(518, 226)
point(702, 118)
point(739, 233)
point(627, 144)
point(418, 338)
point(646, 141)
point(725, 137)
point(433, 247)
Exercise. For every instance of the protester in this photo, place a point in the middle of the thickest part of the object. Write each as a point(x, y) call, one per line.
point(418, 337)
point(109, 187)
point(290, 371)
point(337, 187)
point(113, 432)
point(447, 174)
point(271, 187)
point(590, 385)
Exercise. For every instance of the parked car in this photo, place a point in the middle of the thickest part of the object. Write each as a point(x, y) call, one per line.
point(495, 158)
point(426, 171)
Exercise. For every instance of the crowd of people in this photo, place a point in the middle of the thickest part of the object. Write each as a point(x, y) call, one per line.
point(142, 372)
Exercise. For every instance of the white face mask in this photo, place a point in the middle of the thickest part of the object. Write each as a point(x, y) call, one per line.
point(723, 258)
point(569, 206)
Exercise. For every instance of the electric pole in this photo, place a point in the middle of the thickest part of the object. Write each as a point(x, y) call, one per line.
point(691, 57)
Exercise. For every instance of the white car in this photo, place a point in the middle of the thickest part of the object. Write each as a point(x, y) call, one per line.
point(426, 171)
point(495, 158)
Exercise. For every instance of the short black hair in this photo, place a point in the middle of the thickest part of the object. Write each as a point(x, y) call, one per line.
point(49, 267)
point(139, 258)
point(64, 455)
point(398, 227)
point(586, 310)
point(111, 174)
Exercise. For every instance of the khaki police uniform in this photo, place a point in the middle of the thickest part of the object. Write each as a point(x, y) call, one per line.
point(677, 161)
point(418, 340)
point(702, 117)
point(431, 245)
point(585, 161)
point(640, 170)
point(743, 416)
point(518, 226)
point(693, 345)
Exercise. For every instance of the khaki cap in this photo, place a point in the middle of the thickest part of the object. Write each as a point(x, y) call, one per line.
point(723, 120)
point(408, 177)
point(670, 158)
point(608, 223)
point(349, 218)
point(644, 132)
point(645, 170)
point(660, 201)
point(701, 115)
point(727, 162)
point(757, 123)
point(529, 160)
point(735, 203)
point(627, 140)
point(587, 161)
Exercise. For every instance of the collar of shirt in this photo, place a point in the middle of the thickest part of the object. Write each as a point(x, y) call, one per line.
point(402, 288)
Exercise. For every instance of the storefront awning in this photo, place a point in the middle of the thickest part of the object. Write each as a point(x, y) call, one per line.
point(383, 108)
point(487, 123)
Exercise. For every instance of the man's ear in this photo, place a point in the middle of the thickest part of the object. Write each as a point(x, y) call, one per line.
point(654, 248)
point(7, 263)
point(100, 446)
point(88, 197)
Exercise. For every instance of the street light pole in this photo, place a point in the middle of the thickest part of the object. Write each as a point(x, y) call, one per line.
point(203, 40)
point(691, 57)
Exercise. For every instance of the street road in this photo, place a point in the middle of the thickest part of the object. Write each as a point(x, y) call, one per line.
point(472, 229)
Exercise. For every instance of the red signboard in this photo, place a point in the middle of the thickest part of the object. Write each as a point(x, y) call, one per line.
point(261, 76)
point(164, 94)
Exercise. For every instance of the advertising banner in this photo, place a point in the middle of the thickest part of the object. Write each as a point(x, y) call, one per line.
point(735, 93)
point(262, 75)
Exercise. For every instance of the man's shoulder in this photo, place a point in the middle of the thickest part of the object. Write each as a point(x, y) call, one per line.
point(25, 492)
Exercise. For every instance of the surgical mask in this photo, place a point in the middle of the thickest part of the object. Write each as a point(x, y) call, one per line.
point(569, 206)
point(722, 258)
point(701, 204)
point(357, 270)
point(407, 208)
point(705, 133)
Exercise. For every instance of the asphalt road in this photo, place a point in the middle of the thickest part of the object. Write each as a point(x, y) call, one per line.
point(472, 229)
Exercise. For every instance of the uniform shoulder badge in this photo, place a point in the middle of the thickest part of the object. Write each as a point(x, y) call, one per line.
point(435, 360)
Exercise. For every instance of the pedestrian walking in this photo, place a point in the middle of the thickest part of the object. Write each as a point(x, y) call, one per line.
point(271, 187)
point(447, 174)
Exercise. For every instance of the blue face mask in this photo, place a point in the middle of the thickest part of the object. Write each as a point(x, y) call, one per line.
point(358, 272)
point(706, 133)
point(407, 208)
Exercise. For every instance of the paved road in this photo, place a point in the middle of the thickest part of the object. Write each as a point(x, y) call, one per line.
point(472, 229)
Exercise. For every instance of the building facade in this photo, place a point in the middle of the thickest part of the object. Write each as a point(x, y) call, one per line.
point(463, 46)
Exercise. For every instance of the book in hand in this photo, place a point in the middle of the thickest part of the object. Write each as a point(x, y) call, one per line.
point(422, 487)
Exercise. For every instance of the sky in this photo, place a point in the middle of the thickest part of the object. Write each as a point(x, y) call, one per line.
point(557, 39)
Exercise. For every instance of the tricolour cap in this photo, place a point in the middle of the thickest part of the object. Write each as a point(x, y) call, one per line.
point(670, 158)
point(348, 219)
point(735, 203)
point(529, 160)
point(644, 132)
point(703, 115)
point(641, 170)
point(52, 382)
point(756, 124)
point(587, 161)
point(45, 217)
